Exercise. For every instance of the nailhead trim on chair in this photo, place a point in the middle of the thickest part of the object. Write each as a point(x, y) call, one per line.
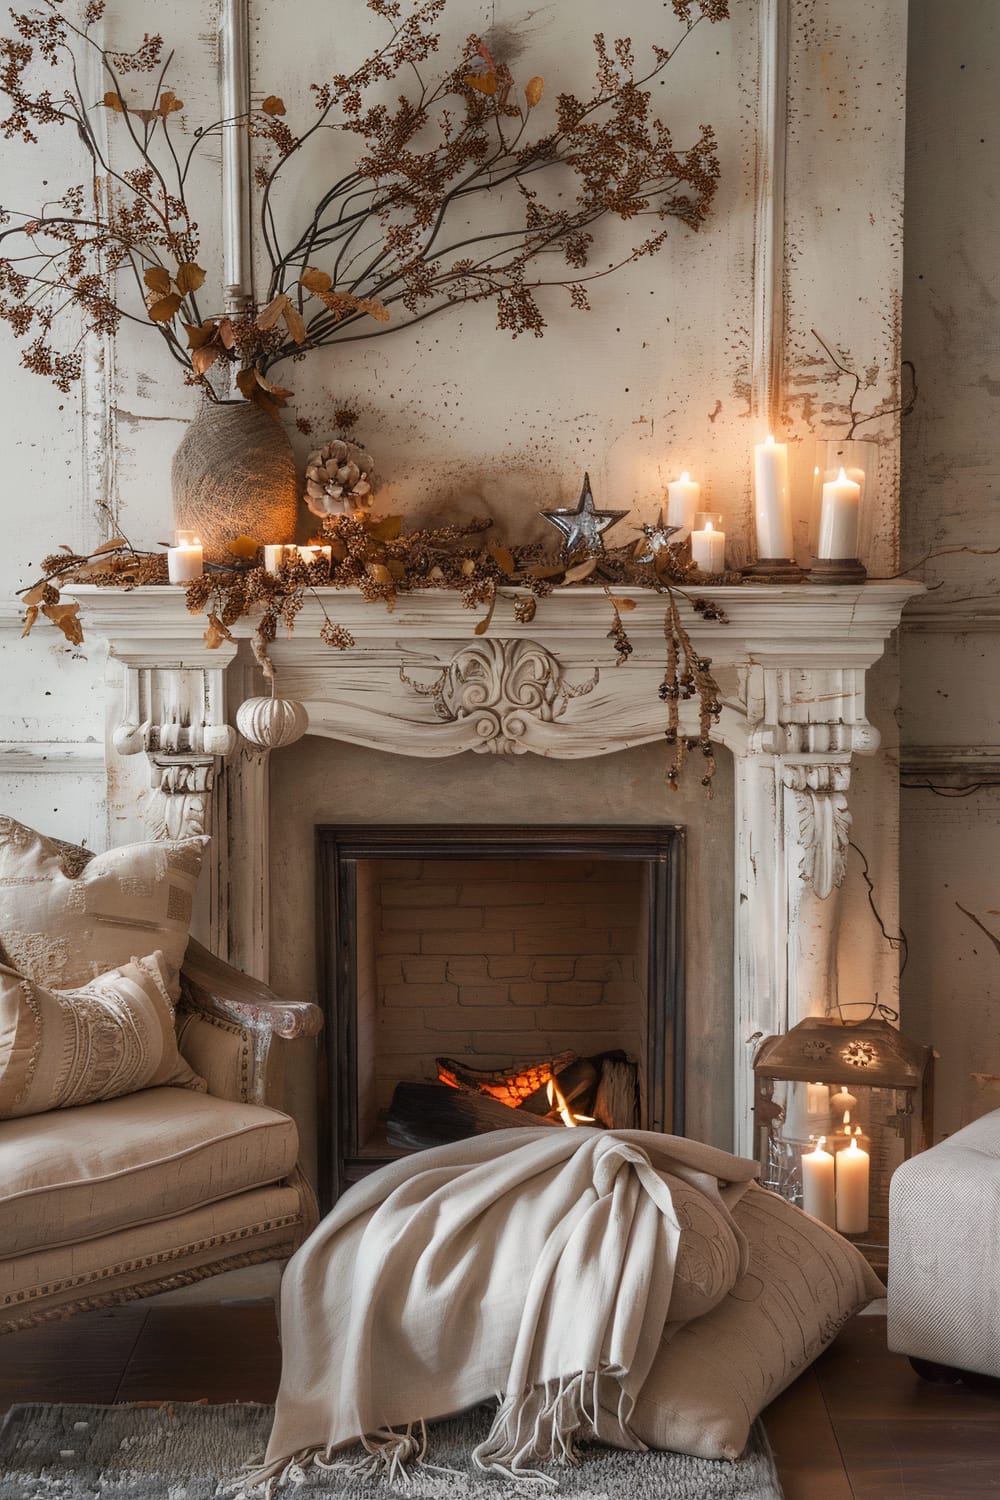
point(181, 1278)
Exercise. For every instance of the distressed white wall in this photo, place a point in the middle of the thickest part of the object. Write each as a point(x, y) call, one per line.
point(951, 484)
point(655, 378)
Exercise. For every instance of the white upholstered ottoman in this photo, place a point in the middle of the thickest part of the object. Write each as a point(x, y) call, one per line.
point(944, 1252)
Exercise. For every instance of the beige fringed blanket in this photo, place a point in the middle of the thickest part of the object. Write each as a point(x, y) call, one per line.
point(533, 1265)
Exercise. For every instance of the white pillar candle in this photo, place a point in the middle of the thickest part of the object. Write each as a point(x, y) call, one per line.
point(852, 1189)
point(682, 501)
point(842, 1100)
point(818, 1195)
point(276, 554)
point(772, 504)
point(838, 518)
point(185, 561)
point(818, 1098)
point(708, 548)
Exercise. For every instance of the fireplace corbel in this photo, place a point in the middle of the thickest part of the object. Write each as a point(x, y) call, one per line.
point(791, 663)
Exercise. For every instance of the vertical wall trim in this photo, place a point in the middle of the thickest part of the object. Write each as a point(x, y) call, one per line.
point(234, 95)
point(769, 214)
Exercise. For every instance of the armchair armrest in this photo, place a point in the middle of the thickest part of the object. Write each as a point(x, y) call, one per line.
point(217, 988)
point(226, 1024)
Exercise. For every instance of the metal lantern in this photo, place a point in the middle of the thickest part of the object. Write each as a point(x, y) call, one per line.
point(826, 1088)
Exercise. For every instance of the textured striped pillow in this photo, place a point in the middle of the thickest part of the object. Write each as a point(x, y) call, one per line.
point(67, 916)
point(110, 1037)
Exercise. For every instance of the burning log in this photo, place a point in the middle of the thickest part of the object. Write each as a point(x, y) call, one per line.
point(434, 1114)
point(511, 1088)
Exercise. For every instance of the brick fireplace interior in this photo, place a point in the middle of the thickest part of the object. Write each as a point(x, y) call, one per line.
point(493, 947)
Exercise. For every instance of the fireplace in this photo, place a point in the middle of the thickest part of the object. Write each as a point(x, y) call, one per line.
point(421, 722)
point(493, 946)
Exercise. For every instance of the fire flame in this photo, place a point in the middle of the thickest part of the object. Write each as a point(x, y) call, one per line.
point(557, 1099)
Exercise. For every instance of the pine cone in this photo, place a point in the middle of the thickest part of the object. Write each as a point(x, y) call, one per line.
point(339, 479)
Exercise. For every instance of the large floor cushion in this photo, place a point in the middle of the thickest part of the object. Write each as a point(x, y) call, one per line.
point(715, 1375)
point(73, 1174)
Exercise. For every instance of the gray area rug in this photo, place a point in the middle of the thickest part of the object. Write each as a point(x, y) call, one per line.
point(190, 1452)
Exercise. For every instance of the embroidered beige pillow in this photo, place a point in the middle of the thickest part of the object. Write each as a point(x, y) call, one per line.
point(113, 1036)
point(714, 1376)
point(67, 916)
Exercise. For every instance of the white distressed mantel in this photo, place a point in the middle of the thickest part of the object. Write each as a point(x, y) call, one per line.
point(791, 663)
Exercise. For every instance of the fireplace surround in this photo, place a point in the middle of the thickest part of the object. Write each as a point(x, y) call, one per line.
point(495, 866)
point(791, 662)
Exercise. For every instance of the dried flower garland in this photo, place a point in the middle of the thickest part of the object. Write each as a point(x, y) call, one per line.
point(373, 555)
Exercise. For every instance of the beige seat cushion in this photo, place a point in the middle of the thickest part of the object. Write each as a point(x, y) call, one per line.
point(67, 916)
point(714, 1376)
point(67, 1047)
point(73, 1174)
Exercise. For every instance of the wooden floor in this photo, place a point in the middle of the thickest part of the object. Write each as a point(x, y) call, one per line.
point(858, 1426)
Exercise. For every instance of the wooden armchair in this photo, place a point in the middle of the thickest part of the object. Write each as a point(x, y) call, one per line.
point(106, 1202)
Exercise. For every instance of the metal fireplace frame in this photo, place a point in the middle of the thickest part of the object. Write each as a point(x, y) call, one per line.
point(338, 852)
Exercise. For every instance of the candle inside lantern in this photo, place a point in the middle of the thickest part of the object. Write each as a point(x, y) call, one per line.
point(818, 1193)
point(852, 1172)
point(185, 561)
point(772, 504)
point(842, 1100)
point(838, 520)
point(682, 501)
point(708, 544)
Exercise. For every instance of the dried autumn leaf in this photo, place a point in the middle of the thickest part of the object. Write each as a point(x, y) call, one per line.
point(503, 558)
point(269, 404)
point(468, 567)
point(580, 570)
point(379, 572)
point(246, 382)
point(157, 278)
point(30, 616)
point(533, 90)
point(165, 308)
point(189, 277)
point(204, 358)
point(278, 391)
point(199, 334)
point(216, 632)
point(293, 322)
point(272, 105)
point(484, 83)
point(315, 281)
point(65, 616)
point(244, 546)
point(169, 103)
point(147, 116)
point(269, 315)
point(375, 309)
point(397, 569)
point(37, 594)
point(386, 529)
point(227, 334)
point(622, 605)
point(114, 101)
point(483, 625)
point(112, 546)
point(539, 570)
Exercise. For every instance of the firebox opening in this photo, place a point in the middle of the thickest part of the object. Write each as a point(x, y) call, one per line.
point(496, 949)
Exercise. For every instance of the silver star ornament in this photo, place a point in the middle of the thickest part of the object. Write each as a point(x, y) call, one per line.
point(583, 527)
point(658, 537)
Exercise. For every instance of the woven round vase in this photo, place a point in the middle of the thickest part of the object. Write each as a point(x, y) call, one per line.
point(234, 475)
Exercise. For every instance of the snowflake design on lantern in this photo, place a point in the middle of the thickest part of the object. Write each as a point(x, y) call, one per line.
point(859, 1054)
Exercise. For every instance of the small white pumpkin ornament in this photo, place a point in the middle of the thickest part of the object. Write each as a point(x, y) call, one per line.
point(270, 723)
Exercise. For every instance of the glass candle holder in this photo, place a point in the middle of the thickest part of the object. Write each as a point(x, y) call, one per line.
point(842, 475)
point(708, 542)
point(185, 560)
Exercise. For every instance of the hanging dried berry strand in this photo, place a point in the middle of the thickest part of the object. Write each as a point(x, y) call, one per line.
point(687, 675)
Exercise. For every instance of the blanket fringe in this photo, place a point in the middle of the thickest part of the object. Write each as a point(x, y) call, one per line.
point(388, 1455)
point(543, 1425)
